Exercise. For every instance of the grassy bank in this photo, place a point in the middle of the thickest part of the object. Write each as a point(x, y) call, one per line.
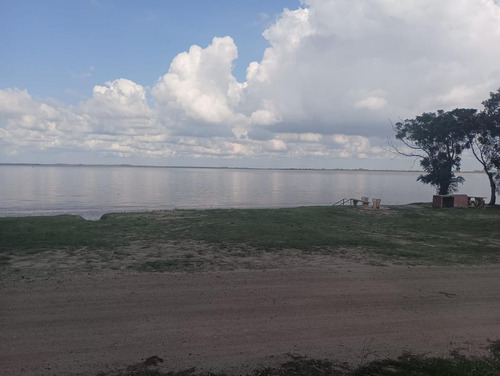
point(228, 239)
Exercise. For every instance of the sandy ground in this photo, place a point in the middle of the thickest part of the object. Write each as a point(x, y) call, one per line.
point(84, 324)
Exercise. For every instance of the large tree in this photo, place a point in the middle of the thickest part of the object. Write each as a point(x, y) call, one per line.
point(437, 140)
point(484, 141)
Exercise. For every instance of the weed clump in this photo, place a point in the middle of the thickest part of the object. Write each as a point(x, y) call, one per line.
point(404, 365)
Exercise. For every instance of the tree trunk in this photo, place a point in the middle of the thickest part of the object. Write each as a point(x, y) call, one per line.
point(443, 190)
point(444, 186)
point(493, 188)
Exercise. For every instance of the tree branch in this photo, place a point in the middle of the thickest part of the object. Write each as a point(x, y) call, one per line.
point(397, 151)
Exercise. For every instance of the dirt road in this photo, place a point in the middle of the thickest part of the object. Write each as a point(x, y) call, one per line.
point(240, 320)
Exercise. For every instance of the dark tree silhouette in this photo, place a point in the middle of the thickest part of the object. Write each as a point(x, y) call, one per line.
point(437, 140)
point(484, 141)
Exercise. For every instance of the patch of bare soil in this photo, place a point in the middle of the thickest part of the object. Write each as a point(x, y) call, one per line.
point(242, 320)
point(174, 256)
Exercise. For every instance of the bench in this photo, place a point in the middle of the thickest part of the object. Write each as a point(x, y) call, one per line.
point(476, 201)
point(364, 200)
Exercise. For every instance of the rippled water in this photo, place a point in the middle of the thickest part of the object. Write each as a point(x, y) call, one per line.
point(91, 191)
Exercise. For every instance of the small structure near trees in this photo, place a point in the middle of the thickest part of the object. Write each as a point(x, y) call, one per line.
point(450, 201)
point(457, 201)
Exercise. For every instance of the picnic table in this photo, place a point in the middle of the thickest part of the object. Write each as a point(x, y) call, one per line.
point(476, 201)
point(364, 200)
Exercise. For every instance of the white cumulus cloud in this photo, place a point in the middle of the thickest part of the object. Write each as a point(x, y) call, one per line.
point(200, 83)
point(118, 106)
point(416, 52)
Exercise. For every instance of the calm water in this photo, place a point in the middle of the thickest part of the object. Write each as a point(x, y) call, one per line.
point(91, 191)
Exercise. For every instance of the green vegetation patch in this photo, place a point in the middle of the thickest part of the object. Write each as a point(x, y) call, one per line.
point(405, 365)
point(193, 240)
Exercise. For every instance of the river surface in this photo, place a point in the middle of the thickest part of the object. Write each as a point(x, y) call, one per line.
point(91, 191)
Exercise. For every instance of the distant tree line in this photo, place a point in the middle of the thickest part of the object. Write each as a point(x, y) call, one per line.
point(438, 140)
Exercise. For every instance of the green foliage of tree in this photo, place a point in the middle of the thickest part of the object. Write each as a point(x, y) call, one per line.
point(437, 140)
point(484, 141)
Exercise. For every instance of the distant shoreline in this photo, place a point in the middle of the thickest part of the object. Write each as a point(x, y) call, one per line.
point(216, 168)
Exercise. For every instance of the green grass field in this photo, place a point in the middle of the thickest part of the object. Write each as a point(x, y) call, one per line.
point(407, 234)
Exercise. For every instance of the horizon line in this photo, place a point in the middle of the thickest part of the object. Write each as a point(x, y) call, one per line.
point(209, 167)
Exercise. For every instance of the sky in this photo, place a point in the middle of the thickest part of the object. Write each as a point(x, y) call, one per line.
point(225, 83)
